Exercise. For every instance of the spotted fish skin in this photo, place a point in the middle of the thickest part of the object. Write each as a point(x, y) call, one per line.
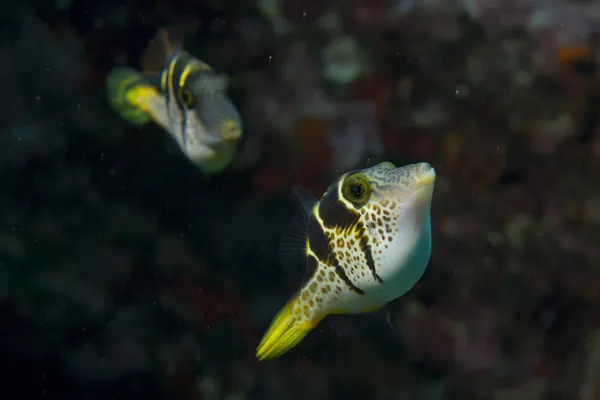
point(368, 241)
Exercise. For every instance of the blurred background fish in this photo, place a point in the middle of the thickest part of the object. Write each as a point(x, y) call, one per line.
point(187, 98)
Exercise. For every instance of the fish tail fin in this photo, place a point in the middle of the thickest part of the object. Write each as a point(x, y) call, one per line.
point(285, 332)
point(128, 93)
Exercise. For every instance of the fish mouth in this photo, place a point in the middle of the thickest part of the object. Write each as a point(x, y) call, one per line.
point(214, 140)
point(230, 131)
point(418, 201)
point(231, 135)
point(425, 175)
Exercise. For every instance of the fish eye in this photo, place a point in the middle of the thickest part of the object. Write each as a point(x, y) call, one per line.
point(356, 189)
point(186, 98)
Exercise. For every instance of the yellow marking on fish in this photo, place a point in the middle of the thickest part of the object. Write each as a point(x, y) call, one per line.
point(184, 75)
point(171, 70)
point(140, 97)
point(163, 81)
point(310, 253)
point(291, 324)
point(193, 65)
point(285, 332)
point(131, 96)
point(340, 196)
point(318, 216)
point(124, 86)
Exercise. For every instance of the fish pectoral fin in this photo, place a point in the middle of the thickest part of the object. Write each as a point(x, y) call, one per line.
point(285, 332)
point(292, 248)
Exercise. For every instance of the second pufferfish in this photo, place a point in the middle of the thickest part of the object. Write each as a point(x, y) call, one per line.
point(364, 244)
point(187, 98)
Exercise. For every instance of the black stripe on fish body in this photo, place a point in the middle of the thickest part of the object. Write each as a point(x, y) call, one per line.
point(192, 68)
point(318, 242)
point(184, 130)
point(182, 62)
point(175, 69)
point(341, 272)
point(168, 81)
point(359, 231)
point(334, 213)
point(312, 264)
point(321, 246)
point(366, 249)
point(169, 71)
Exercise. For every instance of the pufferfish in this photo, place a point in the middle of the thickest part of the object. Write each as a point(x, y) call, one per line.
point(188, 99)
point(364, 244)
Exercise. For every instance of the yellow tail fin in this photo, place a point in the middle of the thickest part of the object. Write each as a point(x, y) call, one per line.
point(285, 332)
point(128, 94)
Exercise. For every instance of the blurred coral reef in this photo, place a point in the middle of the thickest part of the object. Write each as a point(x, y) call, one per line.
point(127, 274)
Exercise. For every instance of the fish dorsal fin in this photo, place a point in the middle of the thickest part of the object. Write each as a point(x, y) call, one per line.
point(291, 251)
point(158, 52)
point(171, 39)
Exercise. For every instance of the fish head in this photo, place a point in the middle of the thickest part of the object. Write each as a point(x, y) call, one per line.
point(401, 194)
point(205, 121)
point(216, 118)
point(387, 209)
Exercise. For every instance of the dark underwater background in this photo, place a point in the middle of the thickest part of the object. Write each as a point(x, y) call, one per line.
point(125, 273)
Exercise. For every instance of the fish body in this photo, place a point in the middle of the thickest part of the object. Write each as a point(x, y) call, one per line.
point(188, 99)
point(366, 242)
